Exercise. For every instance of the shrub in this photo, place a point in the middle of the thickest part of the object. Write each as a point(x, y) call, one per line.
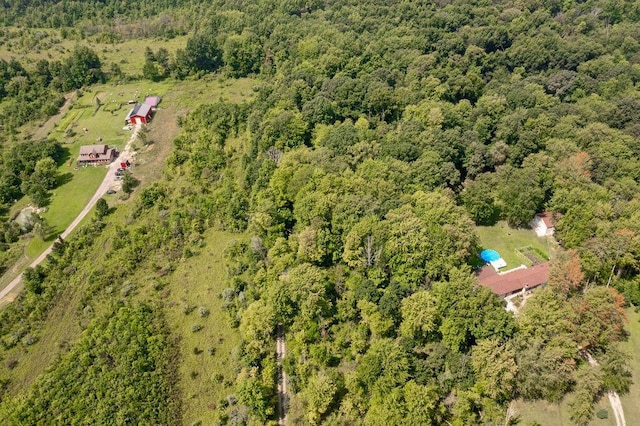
point(602, 414)
point(196, 327)
point(232, 399)
point(29, 340)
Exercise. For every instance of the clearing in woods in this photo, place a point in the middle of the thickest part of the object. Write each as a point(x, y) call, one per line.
point(506, 241)
point(208, 344)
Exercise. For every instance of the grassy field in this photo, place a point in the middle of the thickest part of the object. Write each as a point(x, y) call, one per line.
point(207, 367)
point(546, 414)
point(106, 121)
point(67, 202)
point(631, 401)
point(506, 241)
point(128, 55)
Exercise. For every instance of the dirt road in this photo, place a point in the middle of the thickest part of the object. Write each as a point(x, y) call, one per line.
point(282, 377)
point(614, 399)
point(107, 183)
point(46, 128)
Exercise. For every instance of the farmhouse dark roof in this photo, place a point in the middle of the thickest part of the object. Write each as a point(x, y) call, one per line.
point(96, 154)
point(505, 284)
point(93, 149)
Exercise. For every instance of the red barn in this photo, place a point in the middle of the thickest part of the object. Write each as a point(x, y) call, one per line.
point(141, 113)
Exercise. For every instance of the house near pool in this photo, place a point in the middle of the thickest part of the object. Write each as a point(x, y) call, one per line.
point(96, 155)
point(506, 284)
point(544, 224)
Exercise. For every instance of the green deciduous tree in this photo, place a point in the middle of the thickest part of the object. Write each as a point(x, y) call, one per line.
point(587, 392)
point(318, 396)
point(102, 208)
point(420, 316)
point(495, 366)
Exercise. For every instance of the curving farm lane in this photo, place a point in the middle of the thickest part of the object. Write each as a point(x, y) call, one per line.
point(106, 184)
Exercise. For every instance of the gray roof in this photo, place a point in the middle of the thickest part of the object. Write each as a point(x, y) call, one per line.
point(140, 110)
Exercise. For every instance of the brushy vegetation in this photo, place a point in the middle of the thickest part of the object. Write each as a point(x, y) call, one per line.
point(119, 371)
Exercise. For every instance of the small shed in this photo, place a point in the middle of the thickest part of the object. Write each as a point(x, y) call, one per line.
point(152, 101)
point(544, 224)
point(141, 113)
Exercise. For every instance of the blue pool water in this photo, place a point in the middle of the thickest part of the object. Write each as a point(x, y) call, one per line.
point(489, 255)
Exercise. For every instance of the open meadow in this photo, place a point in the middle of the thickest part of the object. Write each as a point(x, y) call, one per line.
point(49, 44)
point(631, 401)
point(209, 347)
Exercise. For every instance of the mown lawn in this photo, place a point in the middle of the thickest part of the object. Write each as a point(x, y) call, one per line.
point(547, 414)
point(631, 401)
point(207, 369)
point(67, 201)
point(506, 240)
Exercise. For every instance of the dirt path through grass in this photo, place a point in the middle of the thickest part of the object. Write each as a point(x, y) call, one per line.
point(106, 184)
point(46, 128)
point(614, 399)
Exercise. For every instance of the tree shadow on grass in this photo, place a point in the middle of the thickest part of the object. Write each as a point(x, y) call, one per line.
point(64, 178)
point(64, 156)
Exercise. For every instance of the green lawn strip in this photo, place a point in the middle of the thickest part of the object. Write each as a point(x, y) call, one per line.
point(67, 201)
point(631, 401)
point(68, 119)
point(507, 241)
point(205, 378)
point(548, 414)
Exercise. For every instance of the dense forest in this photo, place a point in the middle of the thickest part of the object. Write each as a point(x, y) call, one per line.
point(381, 133)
